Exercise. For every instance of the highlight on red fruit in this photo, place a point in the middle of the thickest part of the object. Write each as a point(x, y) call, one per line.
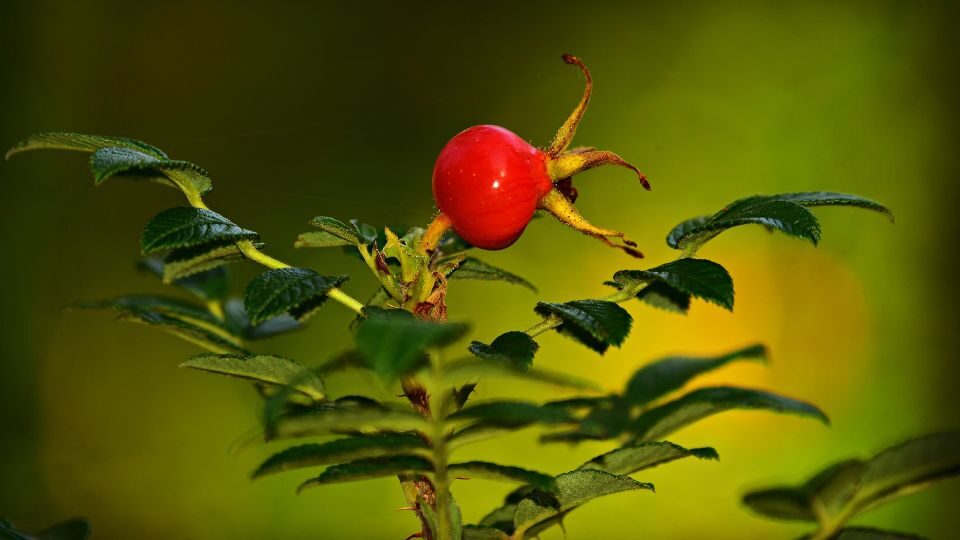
point(488, 182)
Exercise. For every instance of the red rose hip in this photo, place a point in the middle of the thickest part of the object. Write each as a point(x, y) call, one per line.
point(488, 182)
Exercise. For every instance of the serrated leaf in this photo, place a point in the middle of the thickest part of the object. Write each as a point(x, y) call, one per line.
point(394, 343)
point(664, 376)
point(908, 467)
point(319, 239)
point(474, 532)
point(336, 418)
point(340, 451)
point(472, 268)
point(595, 323)
point(573, 489)
point(786, 213)
point(636, 457)
point(474, 368)
point(197, 335)
point(365, 469)
point(349, 234)
point(209, 285)
point(515, 348)
point(81, 142)
point(192, 180)
point(511, 414)
point(870, 533)
point(697, 277)
point(236, 317)
point(821, 497)
point(504, 473)
point(262, 368)
point(662, 420)
point(151, 303)
point(187, 227)
point(663, 296)
point(607, 418)
point(297, 291)
point(182, 263)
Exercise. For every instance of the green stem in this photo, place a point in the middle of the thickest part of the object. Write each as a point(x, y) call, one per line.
point(441, 456)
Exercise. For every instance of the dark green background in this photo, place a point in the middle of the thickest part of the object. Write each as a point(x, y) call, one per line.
point(300, 109)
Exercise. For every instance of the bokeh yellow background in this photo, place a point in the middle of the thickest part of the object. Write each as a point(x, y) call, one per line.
point(303, 109)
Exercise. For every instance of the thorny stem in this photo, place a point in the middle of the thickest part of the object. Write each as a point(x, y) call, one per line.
point(440, 458)
point(251, 252)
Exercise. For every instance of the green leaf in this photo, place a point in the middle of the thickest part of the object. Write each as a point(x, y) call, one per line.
point(870, 533)
point(664, 376)
point(504, 473)
point(665, 419)
point(319, 239)
point(515, 348)
point(209, 285)
point(368, 468)
point(607, 418)
point(297, 291)
point(697, 277)
point(237, 319)
point(908, 467)
point(636, 457)
point(432, 520)
point(574, 489)
point(262, 368)
point(826, 493)
point(336, 419)
point(341, 450)
point(786, 213)
point(348, 234)
point(187, 227)
point(787, 217)
point(595, 323)
point(511, 414)
point(394, 343)
point(474, 368)
point(181, 263)
point(472, 268)
point(138, 303)
point(131, 163)
point(663, 296)
point(204, 336)
point(474, 532)
point(81, 142)
point(72, 529)
point(501, 518)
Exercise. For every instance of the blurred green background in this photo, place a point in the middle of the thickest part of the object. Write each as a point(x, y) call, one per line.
point(304, 109)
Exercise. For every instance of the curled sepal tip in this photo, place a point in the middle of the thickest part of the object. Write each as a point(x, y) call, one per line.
point(564, 135)
point(571, 163)
point(562, 209)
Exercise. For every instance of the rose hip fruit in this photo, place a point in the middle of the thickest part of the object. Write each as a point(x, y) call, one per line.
point(488, 183)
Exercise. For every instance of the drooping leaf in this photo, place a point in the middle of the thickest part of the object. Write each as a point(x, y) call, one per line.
point(475, 532)
point(340, 451)
point(908, 467)
point(786, 213)
point(393, 342)
point(187, 227)
point(663, 296)
point(81, 142)
point(870, 533)
point(607, 418)
point(349, 234)
point(132, 163)
point(636, 457)
point(695, 277)
point(823, 496)
point(662, 420)
point(471, 369)
point(236, 317)
point(319, 239)
point(664, 376)
point(501, 518)
point(297, 291)
point(573, 489)
point(511, 414)
point(515, 348)
point(209, 285)
point(504, 473)
point(472, 268)
point(185, 262)
point(595, 323)
point(72, 529)
point(368, 468)
point(337, 418)
point(269, 369)
point(138, 303)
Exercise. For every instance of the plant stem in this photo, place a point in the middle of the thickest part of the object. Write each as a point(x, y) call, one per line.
point(547, 324)
point(441, 456)
point(434, 232)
